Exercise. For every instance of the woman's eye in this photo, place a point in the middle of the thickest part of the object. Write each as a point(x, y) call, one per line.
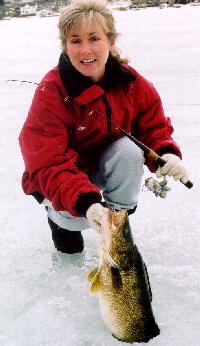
point(95, 38)
point(75, 41)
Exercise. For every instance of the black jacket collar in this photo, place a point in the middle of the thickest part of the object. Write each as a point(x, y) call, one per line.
point(75, 83)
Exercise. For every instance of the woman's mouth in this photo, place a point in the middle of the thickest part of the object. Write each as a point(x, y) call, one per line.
point(88, 61)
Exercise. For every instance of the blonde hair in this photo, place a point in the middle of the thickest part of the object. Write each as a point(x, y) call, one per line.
point(85, 12)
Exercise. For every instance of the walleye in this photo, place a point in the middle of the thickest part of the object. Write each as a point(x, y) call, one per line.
point(122, 283)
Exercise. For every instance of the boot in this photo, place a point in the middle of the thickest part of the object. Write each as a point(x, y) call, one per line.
point(66, 241)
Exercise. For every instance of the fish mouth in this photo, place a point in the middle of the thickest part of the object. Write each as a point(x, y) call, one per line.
point(116, 218)
point(111, 222)
point(111, 226)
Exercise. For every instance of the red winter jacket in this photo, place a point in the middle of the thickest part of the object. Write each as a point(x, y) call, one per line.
point(71, 120)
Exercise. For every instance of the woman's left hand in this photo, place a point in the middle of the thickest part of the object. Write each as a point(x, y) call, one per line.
point(173, 168)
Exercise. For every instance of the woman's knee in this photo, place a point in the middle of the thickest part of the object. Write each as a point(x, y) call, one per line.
point(122, 160)
point(126, 151)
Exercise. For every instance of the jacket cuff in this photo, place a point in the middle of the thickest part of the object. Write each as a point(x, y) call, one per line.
point(39, 198)
point(163, 151)
point(85, 201)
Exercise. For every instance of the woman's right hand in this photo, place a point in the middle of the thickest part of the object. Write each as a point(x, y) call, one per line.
point(95, 214)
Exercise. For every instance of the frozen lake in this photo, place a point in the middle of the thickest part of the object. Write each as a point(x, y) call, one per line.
point(43, 294)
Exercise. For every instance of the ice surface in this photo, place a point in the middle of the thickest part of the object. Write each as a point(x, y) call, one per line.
point(43, 294)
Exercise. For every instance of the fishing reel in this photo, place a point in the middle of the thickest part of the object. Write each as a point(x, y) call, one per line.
point(159, 188)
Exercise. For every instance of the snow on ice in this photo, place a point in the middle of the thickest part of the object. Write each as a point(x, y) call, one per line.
point(43, 294)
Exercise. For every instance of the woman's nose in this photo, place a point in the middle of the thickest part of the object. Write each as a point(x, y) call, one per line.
point(85, 48)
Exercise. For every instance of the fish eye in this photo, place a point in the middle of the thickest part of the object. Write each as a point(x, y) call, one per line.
point(126, 232)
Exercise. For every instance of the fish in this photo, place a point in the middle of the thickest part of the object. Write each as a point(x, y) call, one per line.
point(122, 283)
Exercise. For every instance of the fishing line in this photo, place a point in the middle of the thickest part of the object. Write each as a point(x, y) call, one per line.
point(150, 153)
point(71, 101)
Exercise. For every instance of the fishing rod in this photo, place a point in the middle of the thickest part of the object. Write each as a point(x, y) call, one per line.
point(151, 154)
point(147, 151)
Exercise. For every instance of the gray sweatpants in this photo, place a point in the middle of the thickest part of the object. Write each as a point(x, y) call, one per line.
point(119, 177)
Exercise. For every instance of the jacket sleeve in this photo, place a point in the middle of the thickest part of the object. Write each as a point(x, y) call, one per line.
point(50, 163)
point(151, 126)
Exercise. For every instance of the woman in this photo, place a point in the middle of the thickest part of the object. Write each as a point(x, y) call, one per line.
point(71, 144)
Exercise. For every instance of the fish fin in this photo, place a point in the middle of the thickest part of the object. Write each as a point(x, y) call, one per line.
point(148, 282)
point(94, 278)
point(96, 285)
point(92, 274)
point(116, 278)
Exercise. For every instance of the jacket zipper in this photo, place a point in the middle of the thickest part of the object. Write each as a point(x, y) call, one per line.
point(108, 114)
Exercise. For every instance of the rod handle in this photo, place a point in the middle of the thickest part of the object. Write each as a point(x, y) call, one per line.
point(162, 162)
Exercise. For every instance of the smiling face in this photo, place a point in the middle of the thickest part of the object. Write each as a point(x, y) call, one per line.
point(88, 49)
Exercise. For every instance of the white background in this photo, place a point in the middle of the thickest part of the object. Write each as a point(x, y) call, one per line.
point(43, 294)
